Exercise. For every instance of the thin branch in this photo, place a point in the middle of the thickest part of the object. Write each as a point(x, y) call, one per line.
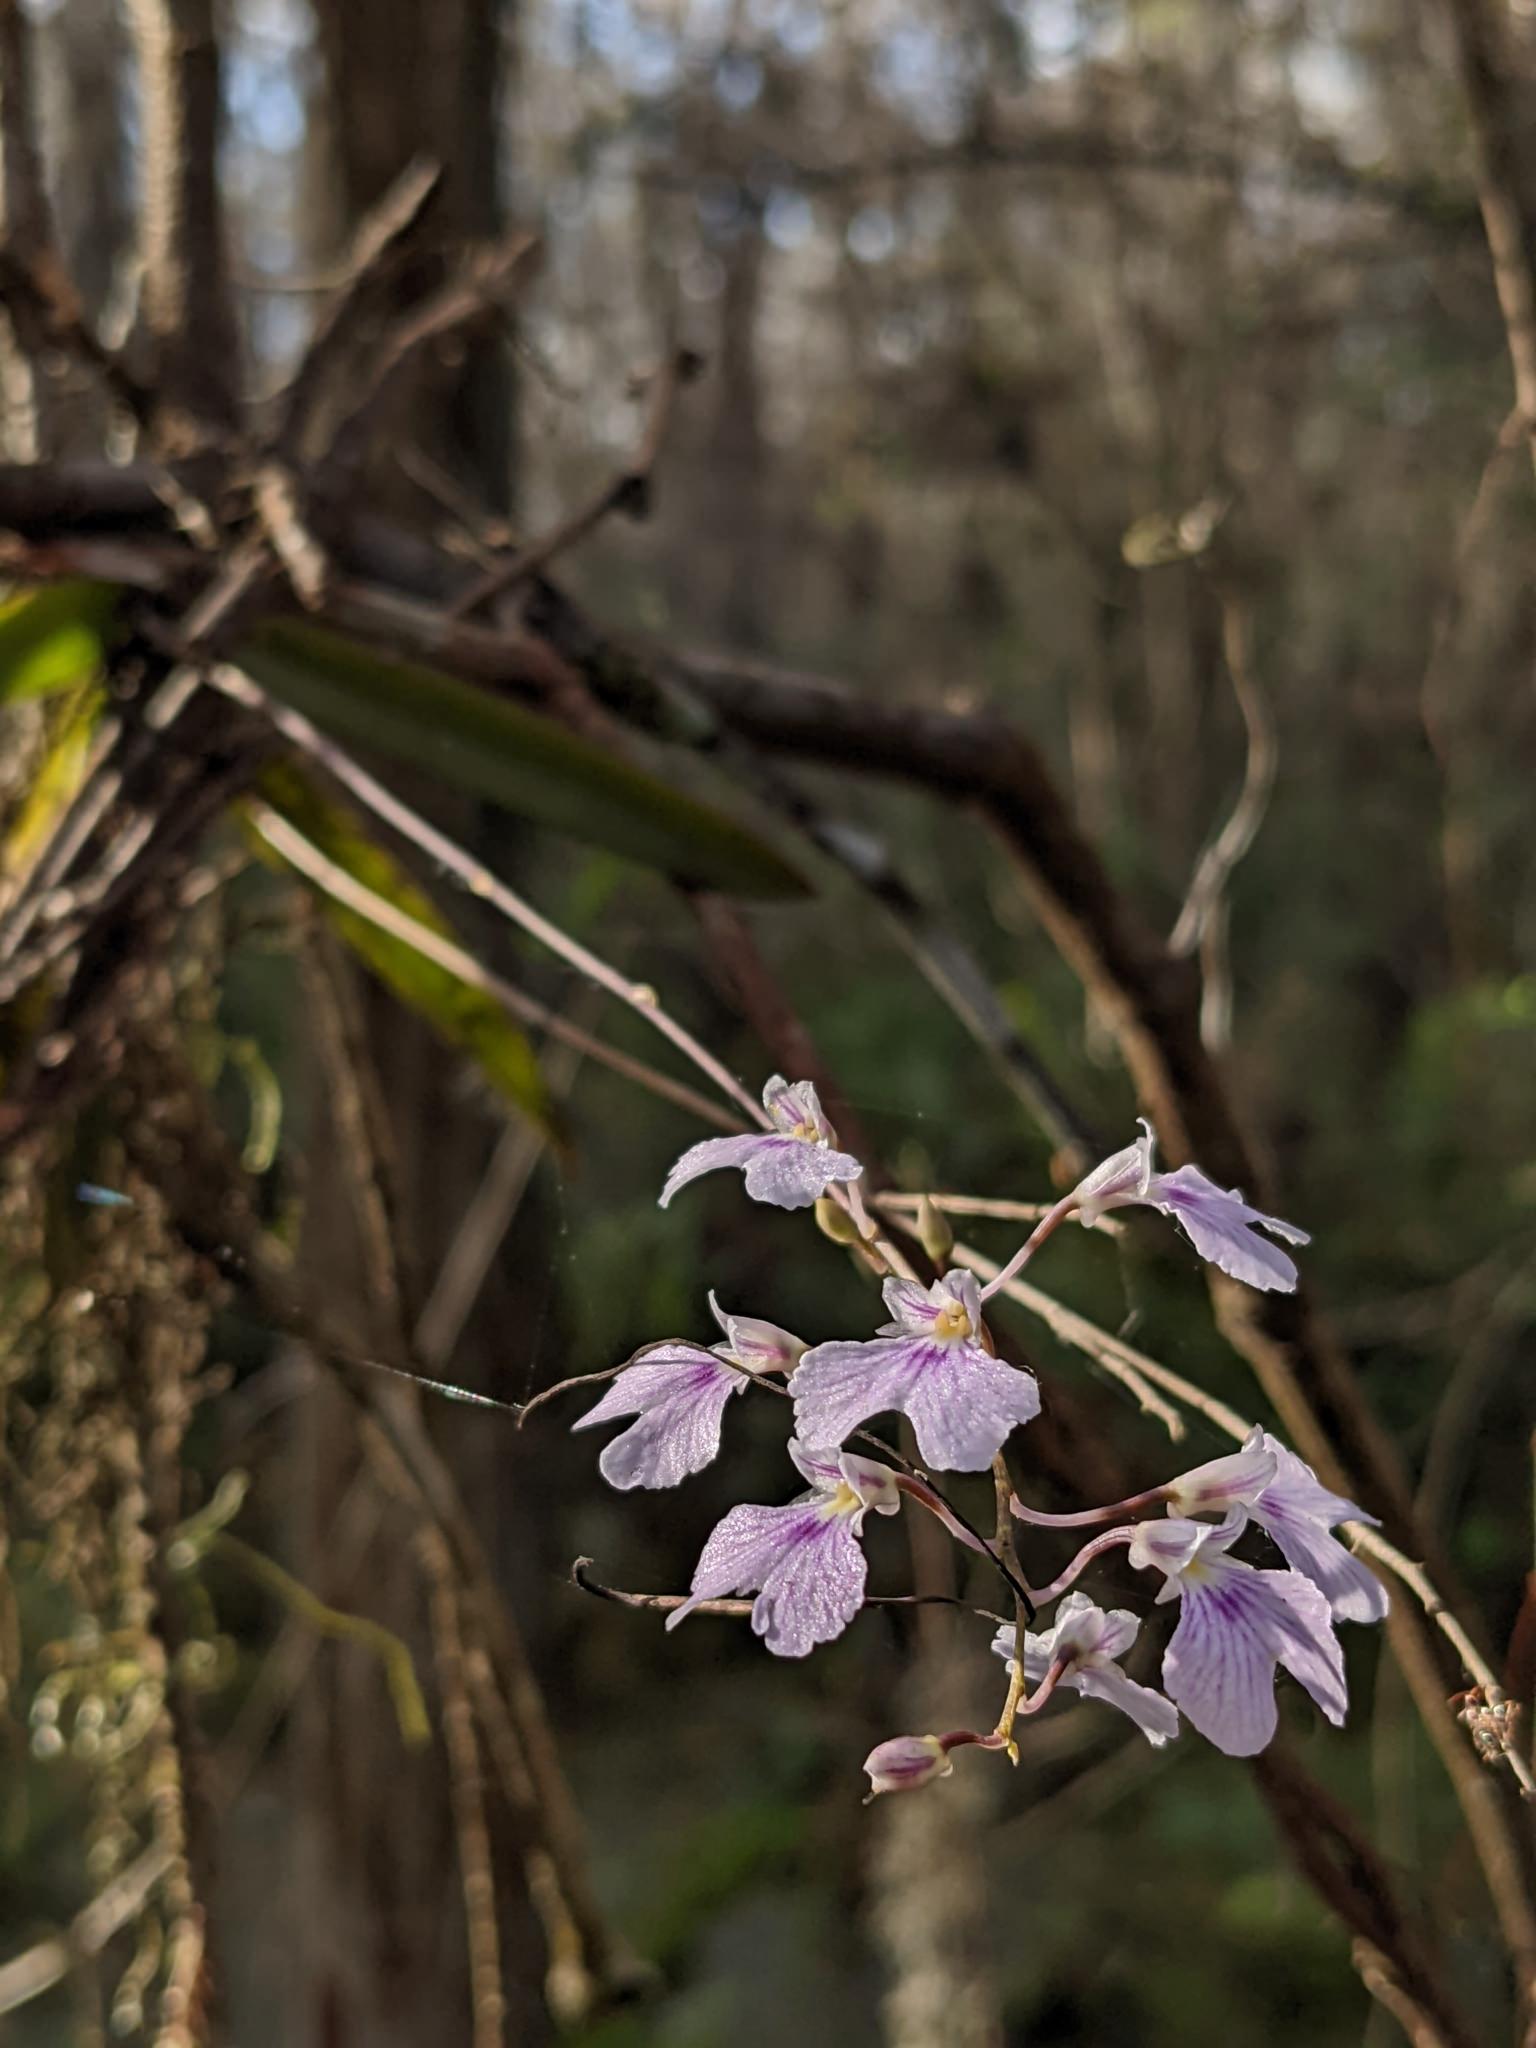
point(668, 1603)
point(1202, 923)
point(629, 492)
point(478, 879)
point(382, 236)
point(488, 2003)
point(49, 1962)
point(356, 896)
point(471, 296)
point(1132, 1368)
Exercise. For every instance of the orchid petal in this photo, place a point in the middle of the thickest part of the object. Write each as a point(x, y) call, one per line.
point(961, 1402)
point(679, 1393)
point(1237, 1479)
point(759, 1346)
point(965, 1405)
point(806, 1567)
point(792, 1173)
point(1155, 1716)
point(1236, 1624)
point(706, 1157)
point(1218, 1223)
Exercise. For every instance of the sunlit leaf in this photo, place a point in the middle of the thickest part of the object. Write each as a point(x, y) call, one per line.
point(55, 780)
point(465, 1016)
point(482, 743)
point(52, 635)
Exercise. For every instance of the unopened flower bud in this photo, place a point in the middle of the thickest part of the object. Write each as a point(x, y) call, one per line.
point(935, 1233)
point(906, 1762)
point(835, 1222)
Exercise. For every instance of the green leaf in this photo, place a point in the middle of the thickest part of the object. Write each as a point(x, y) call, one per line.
point(499, 750)
point(52, 635)
point(56, 779)
point(465, 1016)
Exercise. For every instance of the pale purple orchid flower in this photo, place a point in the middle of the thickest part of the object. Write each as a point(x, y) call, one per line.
point(1088, 1643)
point(790, 1166)
point(1217, 1221)
point(804, 1561)
point(679, 1393)
point(1236, 1626)
point(931, 1366)
point(1284, 1495)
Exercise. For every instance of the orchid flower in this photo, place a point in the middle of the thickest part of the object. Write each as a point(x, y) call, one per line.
point(679, 1392)
point(1218, 1222)
point(1284, 1495)
point(790, 1166)
point(1086, 1643)
point(804, 1560)
point(1236, 1626)
point(929, 1364)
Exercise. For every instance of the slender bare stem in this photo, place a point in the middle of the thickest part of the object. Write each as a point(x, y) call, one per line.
point(479, 880)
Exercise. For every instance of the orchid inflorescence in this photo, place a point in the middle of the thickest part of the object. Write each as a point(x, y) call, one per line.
point(934, 1363)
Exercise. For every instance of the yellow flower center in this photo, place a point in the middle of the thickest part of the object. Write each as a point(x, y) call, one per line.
point(845, 1501)
point(952, 1321)
point(808, 1132)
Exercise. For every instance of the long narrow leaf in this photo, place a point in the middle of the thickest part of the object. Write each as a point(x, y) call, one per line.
point(499, 750)
point(466, 1017)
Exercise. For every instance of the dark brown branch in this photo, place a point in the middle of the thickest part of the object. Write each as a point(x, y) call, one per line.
point(1344, 1866)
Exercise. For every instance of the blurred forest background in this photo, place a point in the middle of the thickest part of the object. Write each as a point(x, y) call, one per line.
point(837, 506)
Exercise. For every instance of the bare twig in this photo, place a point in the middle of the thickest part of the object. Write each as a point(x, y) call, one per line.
point(310, 862)
point(628, 492)
point(484, 1225)
point(1132, 1368)
point(668, 1603)
point(318, 385)
point(1202, 923)
point(39, 1968)
point(478, 879)
point(477, 1874)
point(472, 295)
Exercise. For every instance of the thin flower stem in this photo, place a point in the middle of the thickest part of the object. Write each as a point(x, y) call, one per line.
point(1089, 1516)
point(1050, 1222)
point(1044, 1689)
point(929, 1497)
point(478, 879)
point(1074, 1571)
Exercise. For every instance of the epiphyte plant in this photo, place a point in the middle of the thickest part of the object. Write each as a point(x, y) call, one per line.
point(935, 1362)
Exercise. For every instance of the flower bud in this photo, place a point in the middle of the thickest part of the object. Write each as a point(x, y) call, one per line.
point(935, 1233)
point(904, 1763)
point(834, 1221)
